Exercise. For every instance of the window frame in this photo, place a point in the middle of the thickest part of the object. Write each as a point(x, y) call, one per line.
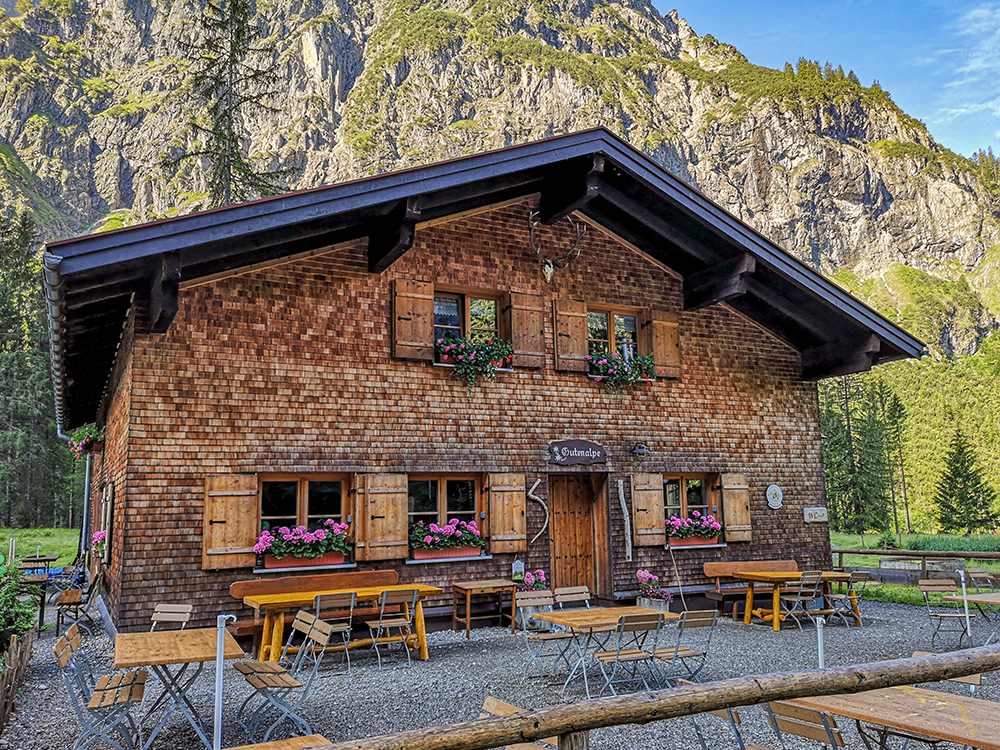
point(610, 311)
point(302, 494)
point(442, 479)
point(465, 296)
point(713, 497)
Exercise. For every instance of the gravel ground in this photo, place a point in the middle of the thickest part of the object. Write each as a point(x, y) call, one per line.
point(451, 686)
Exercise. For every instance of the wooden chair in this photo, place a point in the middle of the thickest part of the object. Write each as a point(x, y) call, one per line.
point(694, 637)
point(175, 613)
point(787, 718)
point(630, 662)
point(493, 707)
point(796, 604)
point(104, 706)
point(537, 642)
point(572, 595)
point(340, 614)
point(842, 605)
point(74, 605)
point(390, 619)
point(284, 691)
point(942, 617)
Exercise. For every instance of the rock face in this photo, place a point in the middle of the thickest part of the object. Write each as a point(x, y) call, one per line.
point(96, 114)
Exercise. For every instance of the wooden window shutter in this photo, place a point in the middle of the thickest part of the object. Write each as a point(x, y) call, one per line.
point(736, 507)
point(508, 532)
point(664, 343)
point(524, 325)
point(648, 526)
point(229, 529)
point(382, 513)
point(571, 335)
point(413, 319)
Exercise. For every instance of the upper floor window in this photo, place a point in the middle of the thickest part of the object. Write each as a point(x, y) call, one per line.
point(293, 500)
point(440, 499)
point(612, 332)
point(683, 494)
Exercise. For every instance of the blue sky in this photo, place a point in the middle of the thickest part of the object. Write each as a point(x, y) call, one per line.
point(939, 60)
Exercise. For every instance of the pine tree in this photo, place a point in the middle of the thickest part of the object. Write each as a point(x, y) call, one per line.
point(964, 499)
point(234, 78)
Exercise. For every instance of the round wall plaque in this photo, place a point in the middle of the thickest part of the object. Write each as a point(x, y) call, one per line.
point(774, 496)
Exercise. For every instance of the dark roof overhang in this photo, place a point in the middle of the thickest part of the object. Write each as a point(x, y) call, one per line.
point(93, 281)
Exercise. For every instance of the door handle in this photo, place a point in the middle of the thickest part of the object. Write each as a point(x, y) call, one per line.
point(374, 517)
point(212, 521)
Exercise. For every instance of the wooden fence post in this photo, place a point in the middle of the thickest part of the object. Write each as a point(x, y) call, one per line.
point(574, 741)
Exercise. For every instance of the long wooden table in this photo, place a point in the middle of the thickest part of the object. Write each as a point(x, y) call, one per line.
point(777, 579)
point(163, 649)
point(952, 718)
point(589, 625)
point(275, 607)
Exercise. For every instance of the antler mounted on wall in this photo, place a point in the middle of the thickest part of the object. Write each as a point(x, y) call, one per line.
point(549, 265)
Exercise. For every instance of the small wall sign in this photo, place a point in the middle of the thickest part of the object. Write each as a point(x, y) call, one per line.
point(774, 496)
point(576, 452)
point(816, 515)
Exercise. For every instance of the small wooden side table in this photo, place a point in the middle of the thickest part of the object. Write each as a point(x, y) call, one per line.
point(467, 589)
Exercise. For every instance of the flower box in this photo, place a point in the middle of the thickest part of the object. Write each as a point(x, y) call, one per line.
point(661, 604)
point(290, 561)
point(693, 541)
point(447, 552)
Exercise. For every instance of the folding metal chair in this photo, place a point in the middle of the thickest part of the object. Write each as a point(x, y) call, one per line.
point(68, 578)
point(573, 596)
point(171, 613)
point(283, 692)
point(787, 718)
point(796, 604)
point(389, 621)
point(984, 582)
point(694, 637)
point(628, 662)
point(339, 611)
point(104, 706)
point(842, 605)
point(74, 605)
point(942, 617)
point(705, 732)
point(537, 641)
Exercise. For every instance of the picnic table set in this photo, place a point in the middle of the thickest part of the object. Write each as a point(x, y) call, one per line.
point(604, 649)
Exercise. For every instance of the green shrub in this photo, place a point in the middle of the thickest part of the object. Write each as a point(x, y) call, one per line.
point(953, 543)
point(18, 613)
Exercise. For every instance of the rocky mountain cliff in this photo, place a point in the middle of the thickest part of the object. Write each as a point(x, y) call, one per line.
point(96, 112)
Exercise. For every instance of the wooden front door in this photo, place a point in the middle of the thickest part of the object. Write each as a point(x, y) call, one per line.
point(571, 504)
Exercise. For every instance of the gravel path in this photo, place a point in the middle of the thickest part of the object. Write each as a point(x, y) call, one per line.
point(460, 674)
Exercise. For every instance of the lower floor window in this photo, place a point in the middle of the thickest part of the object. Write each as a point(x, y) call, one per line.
point(441, 499)
point(684, 494)
point(299, 501)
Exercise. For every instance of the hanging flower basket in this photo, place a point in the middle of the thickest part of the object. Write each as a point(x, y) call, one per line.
point(85, 441)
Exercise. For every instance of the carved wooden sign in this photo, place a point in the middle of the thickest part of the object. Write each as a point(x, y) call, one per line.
point(576, 452)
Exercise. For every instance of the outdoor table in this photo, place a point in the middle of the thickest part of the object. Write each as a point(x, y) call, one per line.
point(37, 562)
point(160, 650)
point(468, 589)
point(309, 742)
point(777, 579)
point(588, 625)
point(980, 600)
point(276, 605)
point(953, 718)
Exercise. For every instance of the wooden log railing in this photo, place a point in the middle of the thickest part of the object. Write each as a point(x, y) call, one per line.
point(571, 723)
point(923, 555)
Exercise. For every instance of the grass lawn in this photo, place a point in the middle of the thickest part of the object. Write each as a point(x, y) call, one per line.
point(65, 542)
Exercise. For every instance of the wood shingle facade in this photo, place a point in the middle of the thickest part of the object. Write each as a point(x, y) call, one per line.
point(313, 369)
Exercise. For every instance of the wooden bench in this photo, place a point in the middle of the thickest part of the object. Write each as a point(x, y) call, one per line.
point(254, 626)
point(737, 592)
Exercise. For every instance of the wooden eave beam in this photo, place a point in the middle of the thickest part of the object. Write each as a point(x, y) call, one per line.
point(562, 196)
point(844, 357)
point(718, 283)
point(394, 235)
point(157, 306)
point(770, 296)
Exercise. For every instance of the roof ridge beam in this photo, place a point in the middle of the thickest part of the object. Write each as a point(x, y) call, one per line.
point(718, 283)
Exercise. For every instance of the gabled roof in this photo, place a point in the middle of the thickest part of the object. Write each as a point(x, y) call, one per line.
point(93, 281)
